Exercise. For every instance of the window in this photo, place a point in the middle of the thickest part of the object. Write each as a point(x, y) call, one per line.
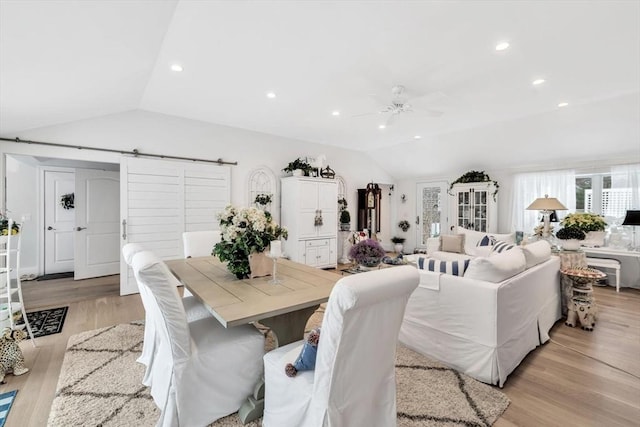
point(607, 194)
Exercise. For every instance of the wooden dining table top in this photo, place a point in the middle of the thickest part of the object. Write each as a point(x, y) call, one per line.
point(237, 302)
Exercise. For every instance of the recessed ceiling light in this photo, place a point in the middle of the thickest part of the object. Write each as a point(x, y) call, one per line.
point(563, 104)
point(417, 137)
point(271, 95)
point(382, 127)
point(537, 82)
point(176, 67)
point(335, 113)
point(502, 46)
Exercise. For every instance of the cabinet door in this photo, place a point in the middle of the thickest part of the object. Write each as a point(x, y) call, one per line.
point(480, 210)
point(308, 204)
point(464, 209)
point(311, 256)
point(328, 205)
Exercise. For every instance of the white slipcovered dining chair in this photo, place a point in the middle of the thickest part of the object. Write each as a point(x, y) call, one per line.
point(194, 310)
point(199, 243)
point(201, 370)
point(354, 379)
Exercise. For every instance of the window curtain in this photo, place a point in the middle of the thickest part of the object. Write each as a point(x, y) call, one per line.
point(529, 186)
point(627, 177)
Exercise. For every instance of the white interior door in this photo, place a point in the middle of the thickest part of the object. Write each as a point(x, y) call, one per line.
point(159, 199)
point(97, 232)
point(59, 222)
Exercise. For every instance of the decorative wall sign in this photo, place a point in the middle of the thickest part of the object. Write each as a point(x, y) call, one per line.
point(67, 201)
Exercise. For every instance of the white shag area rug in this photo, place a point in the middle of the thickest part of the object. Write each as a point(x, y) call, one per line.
point(99, 385)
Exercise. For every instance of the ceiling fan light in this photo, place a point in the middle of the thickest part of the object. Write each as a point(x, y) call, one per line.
point(502, 46)
point(271, 95)
point(176, 67)
point(417, 137)
point(382, 126)
point(335, 113)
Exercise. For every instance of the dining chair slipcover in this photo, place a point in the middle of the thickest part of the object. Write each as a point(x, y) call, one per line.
point(354, 379)
point(201, 370)
point(199, 243)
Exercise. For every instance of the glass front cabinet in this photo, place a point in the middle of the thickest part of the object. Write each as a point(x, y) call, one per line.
point(474, 206)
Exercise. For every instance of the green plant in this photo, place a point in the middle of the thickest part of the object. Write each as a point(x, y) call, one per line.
point(4, 226)
point(245, 231)
point(475, 176)
point(298, 164)
point(584, 221)
point(567, 233)
point(404, 225)
point(345, 217)
point(263, 199)
point(397, 240)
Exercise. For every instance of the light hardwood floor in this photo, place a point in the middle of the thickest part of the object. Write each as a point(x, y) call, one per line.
point(558, 384)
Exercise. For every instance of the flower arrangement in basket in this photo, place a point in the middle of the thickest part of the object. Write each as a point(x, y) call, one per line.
point(368, 253)
point(245, 231)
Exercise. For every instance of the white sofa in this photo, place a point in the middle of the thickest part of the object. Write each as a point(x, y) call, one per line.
point(484, 323)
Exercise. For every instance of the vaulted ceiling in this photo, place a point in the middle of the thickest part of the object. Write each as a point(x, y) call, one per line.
point(67, 60)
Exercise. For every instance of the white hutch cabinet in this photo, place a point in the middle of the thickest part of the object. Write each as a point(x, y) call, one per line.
point(309, 210)
point(474, 206)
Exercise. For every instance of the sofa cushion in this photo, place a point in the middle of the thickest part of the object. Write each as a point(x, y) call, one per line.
point(472, 238)
point(449, 256)
point(501, 246)
point(498, 267)
point(536, 252)
point(455, 268)
point(452, 243)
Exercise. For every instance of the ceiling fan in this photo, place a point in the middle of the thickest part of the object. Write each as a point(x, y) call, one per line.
point(399, 105)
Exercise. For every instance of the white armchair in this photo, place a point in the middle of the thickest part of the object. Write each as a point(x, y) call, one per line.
point(354, 380)
point(201, 371)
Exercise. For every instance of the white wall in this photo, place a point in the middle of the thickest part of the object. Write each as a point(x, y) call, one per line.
point(162, 134)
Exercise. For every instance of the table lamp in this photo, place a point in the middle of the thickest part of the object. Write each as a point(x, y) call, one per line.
point(547, 205)
point(632, 218)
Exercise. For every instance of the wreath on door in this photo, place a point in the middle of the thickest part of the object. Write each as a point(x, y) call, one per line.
point(67, 201)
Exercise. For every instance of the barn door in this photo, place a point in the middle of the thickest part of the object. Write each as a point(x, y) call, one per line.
point(159, 199)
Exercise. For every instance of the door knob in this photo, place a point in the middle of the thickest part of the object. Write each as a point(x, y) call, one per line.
point(80, 228)
point(50, 228)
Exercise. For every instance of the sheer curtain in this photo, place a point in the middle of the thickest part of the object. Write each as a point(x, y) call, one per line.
point(625, 178)
point(529, 186)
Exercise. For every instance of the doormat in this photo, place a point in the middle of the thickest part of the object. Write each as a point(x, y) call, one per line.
point(47, 322)
point(56, 276)
point(6, 399)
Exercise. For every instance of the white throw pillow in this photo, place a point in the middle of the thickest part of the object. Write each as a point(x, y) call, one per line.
point(498, 267)
point(536, 252)
point(472, 238)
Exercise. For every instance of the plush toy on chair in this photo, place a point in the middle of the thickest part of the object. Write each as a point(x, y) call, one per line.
point(306, 361)
point(11, 359)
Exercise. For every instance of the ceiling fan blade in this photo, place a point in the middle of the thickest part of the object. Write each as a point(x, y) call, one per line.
point(391, 120)
point(366, 114)
point(429, 112)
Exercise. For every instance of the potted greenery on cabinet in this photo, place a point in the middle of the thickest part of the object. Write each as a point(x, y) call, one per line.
point(298, 167)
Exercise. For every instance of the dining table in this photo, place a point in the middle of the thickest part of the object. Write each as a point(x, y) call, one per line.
point(284, 307)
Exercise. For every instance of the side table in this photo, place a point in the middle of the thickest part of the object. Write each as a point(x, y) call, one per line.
point(569, 259)
point(582, 309)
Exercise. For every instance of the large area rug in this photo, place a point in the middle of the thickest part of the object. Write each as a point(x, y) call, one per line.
point(100, 385)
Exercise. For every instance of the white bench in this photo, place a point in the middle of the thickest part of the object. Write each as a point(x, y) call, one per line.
point(607, 263)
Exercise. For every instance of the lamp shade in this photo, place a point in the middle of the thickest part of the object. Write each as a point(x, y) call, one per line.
point(546, 203)
point(632, 218)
